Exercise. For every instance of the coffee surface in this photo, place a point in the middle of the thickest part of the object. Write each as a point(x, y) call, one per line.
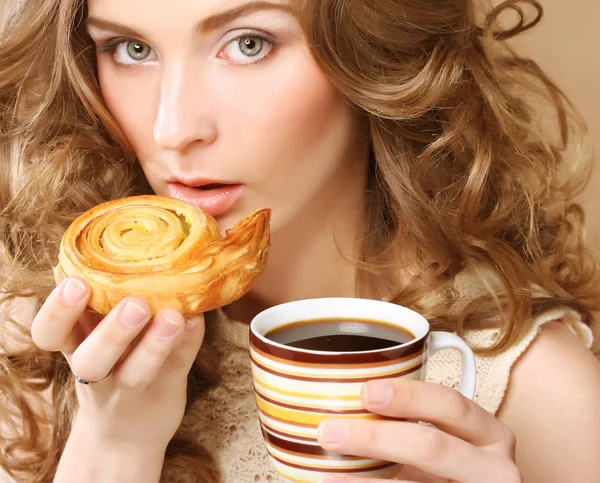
point(340, 335)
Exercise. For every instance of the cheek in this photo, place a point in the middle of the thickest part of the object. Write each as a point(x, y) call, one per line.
point(284, 112)
point(130, 98)
point(302, 103)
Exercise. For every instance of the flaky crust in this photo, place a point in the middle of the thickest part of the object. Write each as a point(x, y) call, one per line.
point(165, 251)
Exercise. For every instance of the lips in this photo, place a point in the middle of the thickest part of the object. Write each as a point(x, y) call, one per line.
point(212, 186)
point(214, 198)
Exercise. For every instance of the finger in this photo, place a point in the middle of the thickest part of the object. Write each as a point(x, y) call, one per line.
point(55, 327)
point(100, 351)
point(444, 407)
point(184, 354)
point(429, 449)
point(140, 368)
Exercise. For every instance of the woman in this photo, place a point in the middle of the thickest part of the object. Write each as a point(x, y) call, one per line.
point(394, 145)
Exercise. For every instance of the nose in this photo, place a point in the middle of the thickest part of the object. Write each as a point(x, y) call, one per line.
point(182, 118)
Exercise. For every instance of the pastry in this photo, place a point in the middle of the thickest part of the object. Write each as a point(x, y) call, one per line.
point(165, 251)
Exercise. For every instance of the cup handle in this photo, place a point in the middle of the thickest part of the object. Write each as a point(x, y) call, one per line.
point(446, 340)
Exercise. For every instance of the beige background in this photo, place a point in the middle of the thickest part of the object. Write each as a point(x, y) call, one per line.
point(567, 45)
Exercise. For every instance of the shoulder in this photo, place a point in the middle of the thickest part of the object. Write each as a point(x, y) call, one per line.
point(553, 406)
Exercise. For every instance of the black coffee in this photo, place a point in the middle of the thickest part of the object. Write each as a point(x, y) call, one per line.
point(340, 335)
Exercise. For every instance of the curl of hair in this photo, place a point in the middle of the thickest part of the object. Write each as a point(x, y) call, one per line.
point(463, 179)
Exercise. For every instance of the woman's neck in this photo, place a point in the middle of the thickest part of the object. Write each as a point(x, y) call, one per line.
point(313, 256)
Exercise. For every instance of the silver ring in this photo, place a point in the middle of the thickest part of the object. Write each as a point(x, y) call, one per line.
point(86, 382)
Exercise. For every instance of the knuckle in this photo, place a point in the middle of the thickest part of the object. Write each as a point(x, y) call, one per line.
point(114, 340)
point(84, 368)
point(407, 393)
point(116, 337)
point(509, 438)
point(436, 446)
point(457, 406)
point(39, 336)
point(135, 382)
point(50, 325)
point(139, 373)
point(155, 350)
point(180, 362)
point(372, 436)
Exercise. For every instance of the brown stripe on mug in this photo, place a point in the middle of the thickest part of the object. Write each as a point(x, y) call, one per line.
point(339, 379)
point(291, 447)
point(277, 432)
point(315, 443)
point(332, 470)
point(369, 365)
point(374, 467)
point(325, 358)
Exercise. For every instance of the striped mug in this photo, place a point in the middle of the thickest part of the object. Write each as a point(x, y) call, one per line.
point(297, 388)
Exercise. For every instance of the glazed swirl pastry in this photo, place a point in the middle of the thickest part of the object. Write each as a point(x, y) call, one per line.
point(165, 251)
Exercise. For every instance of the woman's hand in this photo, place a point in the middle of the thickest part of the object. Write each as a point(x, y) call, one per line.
point(141, 403)
point(468, 444)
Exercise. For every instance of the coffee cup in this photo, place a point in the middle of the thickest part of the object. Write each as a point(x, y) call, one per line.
point(310, 359)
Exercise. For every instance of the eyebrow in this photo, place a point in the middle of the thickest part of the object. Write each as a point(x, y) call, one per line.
point(218, 20)
point(207, 25)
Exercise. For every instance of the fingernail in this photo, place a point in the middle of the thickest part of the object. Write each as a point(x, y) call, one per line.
point(73, 291)
point(332, 431)
point(167, 328)
point(132, 315)
point(378, 392)
point(190, 325)
point(334, 479)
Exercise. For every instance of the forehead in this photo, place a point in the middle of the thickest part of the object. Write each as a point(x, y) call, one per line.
point(137, 9)
point(182, 18)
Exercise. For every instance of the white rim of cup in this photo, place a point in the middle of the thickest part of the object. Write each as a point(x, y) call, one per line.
point(276, 308)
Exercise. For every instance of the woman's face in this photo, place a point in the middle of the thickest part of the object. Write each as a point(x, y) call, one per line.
point(224, 105)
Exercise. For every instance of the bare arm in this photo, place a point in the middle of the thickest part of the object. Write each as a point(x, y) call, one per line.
point(86, 459)
point(553, 406)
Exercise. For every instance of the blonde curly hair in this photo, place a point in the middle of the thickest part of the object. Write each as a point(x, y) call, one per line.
point(462, 179)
